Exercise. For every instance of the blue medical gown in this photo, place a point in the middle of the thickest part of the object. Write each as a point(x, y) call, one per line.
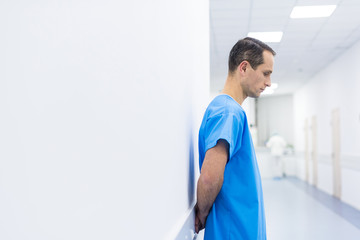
point(238, 211)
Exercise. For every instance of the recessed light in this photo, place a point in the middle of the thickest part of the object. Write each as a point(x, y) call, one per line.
point(266, 36)
point(312, 11)
point(274, 86)
point(268, 91)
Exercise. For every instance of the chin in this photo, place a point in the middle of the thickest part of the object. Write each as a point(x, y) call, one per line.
point(257, 94)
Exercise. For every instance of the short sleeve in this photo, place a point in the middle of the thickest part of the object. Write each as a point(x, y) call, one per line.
point(224, 126)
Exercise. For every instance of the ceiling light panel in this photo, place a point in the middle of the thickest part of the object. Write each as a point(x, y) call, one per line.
point(266, 36)
point(312, 11)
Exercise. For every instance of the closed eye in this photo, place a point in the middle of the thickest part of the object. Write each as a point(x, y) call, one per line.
point(267, 73)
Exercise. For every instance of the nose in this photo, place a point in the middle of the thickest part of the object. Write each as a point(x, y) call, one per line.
point(268, 83)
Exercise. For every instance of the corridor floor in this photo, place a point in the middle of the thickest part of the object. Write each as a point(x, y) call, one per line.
point(296, 211)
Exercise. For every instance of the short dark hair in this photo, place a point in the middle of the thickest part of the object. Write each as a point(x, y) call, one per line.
point(249, 49)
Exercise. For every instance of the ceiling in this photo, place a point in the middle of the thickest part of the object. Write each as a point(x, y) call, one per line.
point(307, 45)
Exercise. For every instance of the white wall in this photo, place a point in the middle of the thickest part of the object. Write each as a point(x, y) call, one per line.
point(336, 86)
point(275, 114)
point(100, 104)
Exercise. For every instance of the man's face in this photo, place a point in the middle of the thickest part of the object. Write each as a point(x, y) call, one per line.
point(257, 80)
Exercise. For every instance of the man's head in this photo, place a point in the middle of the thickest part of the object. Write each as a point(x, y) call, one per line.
point(248, 49)
point(252, 61)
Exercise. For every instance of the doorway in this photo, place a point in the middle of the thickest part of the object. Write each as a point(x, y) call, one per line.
point(314, 151)
point(335, 125)
point(306, 130)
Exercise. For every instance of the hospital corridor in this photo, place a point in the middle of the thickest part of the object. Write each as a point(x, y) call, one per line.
point(109, 109)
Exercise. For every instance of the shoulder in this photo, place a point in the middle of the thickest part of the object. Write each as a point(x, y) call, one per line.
point(225, 105)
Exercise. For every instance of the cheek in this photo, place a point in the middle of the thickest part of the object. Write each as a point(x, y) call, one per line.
point(259, 80)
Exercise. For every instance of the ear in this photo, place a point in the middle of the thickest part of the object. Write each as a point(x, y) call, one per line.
point(243, 66)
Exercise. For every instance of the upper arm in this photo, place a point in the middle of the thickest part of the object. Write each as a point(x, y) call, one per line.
point(228, 127)
point(215, 161)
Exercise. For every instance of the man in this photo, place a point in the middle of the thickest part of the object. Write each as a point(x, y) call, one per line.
point(229, 192)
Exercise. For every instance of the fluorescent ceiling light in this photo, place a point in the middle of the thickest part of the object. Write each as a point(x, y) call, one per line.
point(274, 86)
point(270, 90)
point(266, 36)
point(312, 11)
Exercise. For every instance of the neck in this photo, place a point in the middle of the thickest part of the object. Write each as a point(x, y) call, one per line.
point(234, 89)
